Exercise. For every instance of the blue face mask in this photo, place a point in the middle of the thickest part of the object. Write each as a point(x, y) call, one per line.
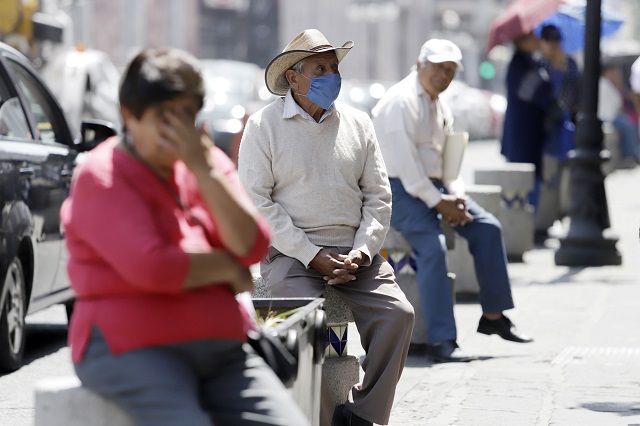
point(324, 89)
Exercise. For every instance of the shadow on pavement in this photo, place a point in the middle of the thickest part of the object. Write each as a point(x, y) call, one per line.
point(622, 409)
point(44, 339)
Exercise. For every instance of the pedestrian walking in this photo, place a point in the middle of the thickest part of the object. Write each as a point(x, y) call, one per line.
point(411, 123)
point(314, 169)
point(160, 236)
point(612, 109)
point(528, 97)
point(565, 80)
point(633, 110)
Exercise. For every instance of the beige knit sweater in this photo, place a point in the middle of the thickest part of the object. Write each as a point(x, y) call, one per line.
point(318, 184)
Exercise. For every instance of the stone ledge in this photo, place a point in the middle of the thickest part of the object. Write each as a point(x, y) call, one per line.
point(409, 285)
point(62, 401)
point(512, 177)
point(515, 214)
point(341, 373)
point(554, 194)
point(337, 311)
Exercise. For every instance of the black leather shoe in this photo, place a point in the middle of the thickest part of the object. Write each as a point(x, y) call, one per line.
point(448, 351)
point(342, 416)
point(504, 328)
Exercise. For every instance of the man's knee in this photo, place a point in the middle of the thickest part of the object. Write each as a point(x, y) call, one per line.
point(408, 313)
point(402, 313)
point(494, 227)
point(428, 246)
point(488, 223)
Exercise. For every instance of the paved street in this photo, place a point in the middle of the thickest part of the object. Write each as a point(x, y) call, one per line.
point(584, 366)
point(582, 369)
point(46, 355)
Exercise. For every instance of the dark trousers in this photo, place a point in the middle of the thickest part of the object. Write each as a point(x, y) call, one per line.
point(420, 226)
point(199, 383)
point(383, 315)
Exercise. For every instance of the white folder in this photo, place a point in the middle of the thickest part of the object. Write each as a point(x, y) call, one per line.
point(455, 144)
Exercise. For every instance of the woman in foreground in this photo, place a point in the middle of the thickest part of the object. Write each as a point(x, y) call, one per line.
point(160, 235)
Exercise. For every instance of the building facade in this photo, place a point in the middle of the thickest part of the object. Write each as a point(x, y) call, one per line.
point(387, 33)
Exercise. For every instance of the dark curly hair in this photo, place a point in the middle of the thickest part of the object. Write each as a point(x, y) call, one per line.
point(550, 33)
point(156, 75)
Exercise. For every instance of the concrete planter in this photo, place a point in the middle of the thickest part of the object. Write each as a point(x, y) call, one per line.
point(304, 334)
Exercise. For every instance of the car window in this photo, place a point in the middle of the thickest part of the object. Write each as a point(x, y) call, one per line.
point(41, 107)
point(13, 122)
point(229, 81)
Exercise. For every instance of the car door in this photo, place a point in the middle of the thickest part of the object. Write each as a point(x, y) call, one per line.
point(46, 164)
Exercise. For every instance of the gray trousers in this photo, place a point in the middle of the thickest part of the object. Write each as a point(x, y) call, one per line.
point(383, 315)
point(198, 383)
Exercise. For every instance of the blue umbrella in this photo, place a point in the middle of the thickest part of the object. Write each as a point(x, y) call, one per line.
point(571, 21)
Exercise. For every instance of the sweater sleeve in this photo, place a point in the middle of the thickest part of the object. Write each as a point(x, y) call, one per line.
point(115, 223)
point(261, 244)
point(256, 174)
point(376, 194)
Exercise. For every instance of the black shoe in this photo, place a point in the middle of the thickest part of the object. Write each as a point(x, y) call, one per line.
point(504, 328)
point(448, 351)
point(342, 416)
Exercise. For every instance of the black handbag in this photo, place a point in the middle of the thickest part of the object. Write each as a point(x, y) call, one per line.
point(282, 360)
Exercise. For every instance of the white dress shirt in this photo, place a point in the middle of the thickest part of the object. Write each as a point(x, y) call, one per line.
point(291, 109)
point(411, 128)
point(609, 100)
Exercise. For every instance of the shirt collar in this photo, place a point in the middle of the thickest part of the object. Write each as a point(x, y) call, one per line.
point(291, 109)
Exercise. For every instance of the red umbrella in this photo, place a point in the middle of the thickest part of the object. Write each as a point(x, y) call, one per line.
point(520, 18)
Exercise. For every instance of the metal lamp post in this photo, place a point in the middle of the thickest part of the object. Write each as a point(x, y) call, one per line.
point(585, 243)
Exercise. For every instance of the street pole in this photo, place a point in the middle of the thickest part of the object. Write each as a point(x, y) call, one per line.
point(585, 243)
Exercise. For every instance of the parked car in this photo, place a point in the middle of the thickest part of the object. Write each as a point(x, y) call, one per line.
point(479, 112)
point(363, 94)
point(232, 93)
point(38, 150)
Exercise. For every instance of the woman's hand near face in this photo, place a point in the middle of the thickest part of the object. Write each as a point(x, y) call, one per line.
point(235, 217)
point(184, 140)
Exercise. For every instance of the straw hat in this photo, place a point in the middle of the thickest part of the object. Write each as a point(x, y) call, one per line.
point(307, 43)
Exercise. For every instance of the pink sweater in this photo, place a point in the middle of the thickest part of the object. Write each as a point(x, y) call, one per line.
point(126, 234)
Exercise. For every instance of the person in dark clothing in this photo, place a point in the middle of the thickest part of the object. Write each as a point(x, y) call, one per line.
point(565, 81)
point(529, 93)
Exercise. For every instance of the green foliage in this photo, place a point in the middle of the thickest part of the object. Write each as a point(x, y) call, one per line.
point(273, 318)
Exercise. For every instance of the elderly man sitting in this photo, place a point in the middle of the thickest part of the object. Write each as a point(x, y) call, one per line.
point(413, 123)
point(314, 169)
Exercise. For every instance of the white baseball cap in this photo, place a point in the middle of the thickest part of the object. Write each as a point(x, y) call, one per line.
point(439, 50)
point(634, 79)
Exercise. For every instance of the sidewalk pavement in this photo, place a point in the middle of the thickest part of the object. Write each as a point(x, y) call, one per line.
point(583, 367)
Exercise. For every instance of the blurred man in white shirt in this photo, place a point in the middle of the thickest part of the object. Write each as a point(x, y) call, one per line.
point(411, 123)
